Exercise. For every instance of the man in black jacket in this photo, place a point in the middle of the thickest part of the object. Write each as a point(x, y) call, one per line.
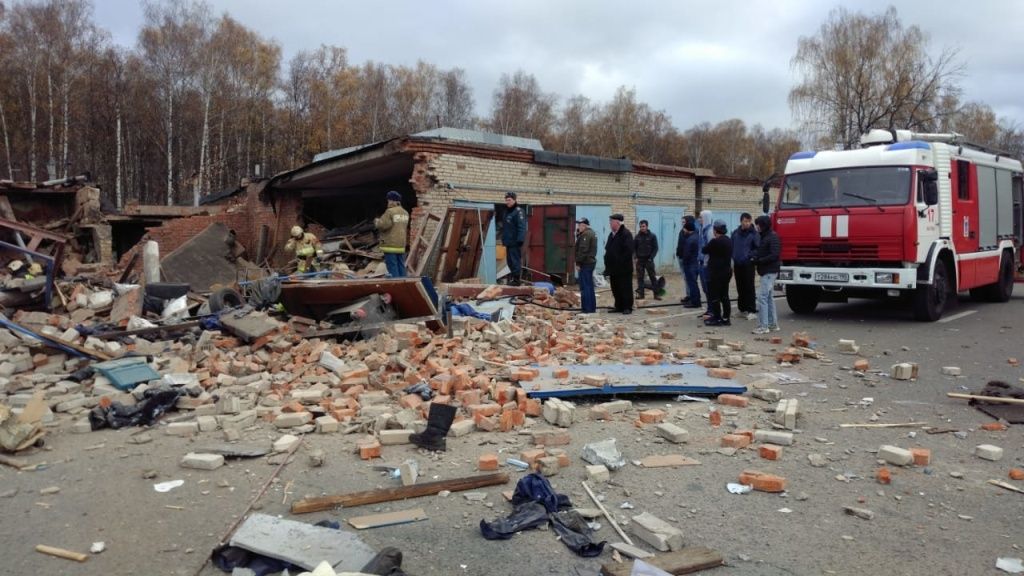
point(618, 264)
point(645, 247)
point(719, 252)
point(513, 234)
point(768, 260)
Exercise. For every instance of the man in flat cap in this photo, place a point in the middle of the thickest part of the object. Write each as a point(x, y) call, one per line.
point(586, 258)
point(618, 264)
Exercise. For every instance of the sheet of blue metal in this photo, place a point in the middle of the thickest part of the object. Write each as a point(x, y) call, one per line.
point(631, 379)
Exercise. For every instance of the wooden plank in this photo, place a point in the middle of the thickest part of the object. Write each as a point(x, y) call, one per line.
point(387, 519)
point(453, 245)
point(61, 553)
point(468, 256)
point(685, 561)
point(993, 399)
point(1006, 486)
point(422, 244)
point(400, 493)
point(355, 328)
point(879, 425)
point(668, 461)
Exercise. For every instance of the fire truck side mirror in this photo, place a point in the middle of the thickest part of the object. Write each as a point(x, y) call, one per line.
point(930, 181)
point(765, 188)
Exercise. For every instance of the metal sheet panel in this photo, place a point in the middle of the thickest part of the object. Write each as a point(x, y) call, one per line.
point(988, 222)
point(1004, 202)
point(631, 379)
point(666, 222)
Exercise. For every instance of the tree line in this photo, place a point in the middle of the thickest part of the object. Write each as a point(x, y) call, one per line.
point(201, 101)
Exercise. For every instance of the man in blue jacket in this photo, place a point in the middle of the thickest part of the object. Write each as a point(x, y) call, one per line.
point(513, 235)
point(689, 259)
point(745, 240)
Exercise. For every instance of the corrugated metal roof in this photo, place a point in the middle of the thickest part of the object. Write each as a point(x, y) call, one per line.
point(478, 137)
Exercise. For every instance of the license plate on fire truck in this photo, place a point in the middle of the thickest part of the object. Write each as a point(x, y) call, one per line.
point(831, 277)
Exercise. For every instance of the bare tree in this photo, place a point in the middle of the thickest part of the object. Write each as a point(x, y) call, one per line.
point(521, 108)
point(453, 100)
point(861, 72)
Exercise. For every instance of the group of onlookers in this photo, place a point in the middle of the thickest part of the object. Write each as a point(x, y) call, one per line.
point(709, 257)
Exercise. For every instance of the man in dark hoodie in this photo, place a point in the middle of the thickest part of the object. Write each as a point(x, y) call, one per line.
point(744, 245)
point(689, 260)
point(618, 264)
point(645, 247)
point(719, 253)
point(768, 262)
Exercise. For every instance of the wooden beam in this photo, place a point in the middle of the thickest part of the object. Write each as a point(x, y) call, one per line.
point(400, 493)
point(994, 399)
point(685, 561)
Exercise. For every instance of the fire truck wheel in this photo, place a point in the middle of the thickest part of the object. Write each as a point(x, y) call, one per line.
point(803, 299)
point(930, 299)
point(1002, 289)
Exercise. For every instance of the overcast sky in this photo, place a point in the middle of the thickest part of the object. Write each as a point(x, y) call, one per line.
point(698, 61)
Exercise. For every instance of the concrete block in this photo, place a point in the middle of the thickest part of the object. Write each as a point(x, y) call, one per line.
point(548, 465)
point(207, 423)
point(616, 406)
point(285, 443)
point(895, 455)
point(767, 394)
point(559, 412)
point(902, 371)
point(751, 359)
point(202, 461)
point(292, 419)
point(82, 426)
point(183, 428)
point(672, 433)
point(461, 428)
point(774, 437)
point(598, 473)
point(786, 413)
point(656, 532)
point(951, 371)
point(392, 437)
point(326, 425)
point(989, 452)
point(848, 346)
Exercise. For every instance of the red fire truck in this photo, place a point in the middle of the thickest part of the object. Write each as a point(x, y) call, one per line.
point(914, 216)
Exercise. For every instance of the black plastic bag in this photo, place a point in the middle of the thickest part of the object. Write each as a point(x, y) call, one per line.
point(575, 533)
point(526, 516)
point(154, 404)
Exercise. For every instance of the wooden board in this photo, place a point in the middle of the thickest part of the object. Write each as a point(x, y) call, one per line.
point(668, 461)
point(391, 494)
point(631, 379)
point(387, 519)
point(685, 561)
point(316, 298)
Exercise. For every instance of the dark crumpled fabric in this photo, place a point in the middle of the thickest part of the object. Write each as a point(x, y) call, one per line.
point(536, 503)
point(526, 516)
point(155, 402)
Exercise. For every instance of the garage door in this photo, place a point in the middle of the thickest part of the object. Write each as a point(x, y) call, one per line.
point(598, 215)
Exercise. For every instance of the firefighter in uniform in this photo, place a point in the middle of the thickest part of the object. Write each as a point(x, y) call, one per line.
point(394, 231)
point(306, 247)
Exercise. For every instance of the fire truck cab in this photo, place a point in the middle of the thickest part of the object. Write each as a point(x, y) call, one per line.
point(914, 216)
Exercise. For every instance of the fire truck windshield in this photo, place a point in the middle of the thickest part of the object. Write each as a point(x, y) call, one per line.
point(862, 186)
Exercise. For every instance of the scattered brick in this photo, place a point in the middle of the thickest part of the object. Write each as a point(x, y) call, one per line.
point(770, 452)
point(487, 463)
point(763, 482)
point(733, 400)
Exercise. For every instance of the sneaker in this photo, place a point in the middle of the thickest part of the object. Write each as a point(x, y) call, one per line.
point(774, 328)
point(724, 322)
point(689, 305)
point(751, 315)
point(760, 330)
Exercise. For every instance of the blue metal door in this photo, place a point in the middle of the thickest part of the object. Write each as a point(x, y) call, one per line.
point(488, 271)
point(598, 216)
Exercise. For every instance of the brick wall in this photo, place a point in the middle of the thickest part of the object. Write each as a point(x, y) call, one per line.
point(730, 195)
point(456, 177)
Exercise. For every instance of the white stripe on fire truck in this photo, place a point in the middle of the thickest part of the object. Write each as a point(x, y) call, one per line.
point(825, 227)
point(843, 226)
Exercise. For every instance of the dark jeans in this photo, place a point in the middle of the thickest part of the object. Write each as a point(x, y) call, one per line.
point(514, 259)
point(395, 264)
point(745, 300)
point(647, 266)
point(703, 274)
point(718, 283)
point(690, 273)
point(622, 290)
point(588, 299)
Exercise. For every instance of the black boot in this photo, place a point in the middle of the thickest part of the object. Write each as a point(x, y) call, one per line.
point(439, 421)
point(387, 562)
